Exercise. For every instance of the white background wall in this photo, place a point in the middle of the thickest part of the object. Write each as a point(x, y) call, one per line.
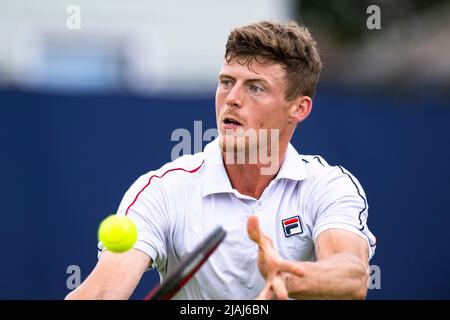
point(165, 45)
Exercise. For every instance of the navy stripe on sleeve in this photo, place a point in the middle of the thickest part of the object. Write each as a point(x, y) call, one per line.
point(359, 193)
point(356, 186)
point(318, 159)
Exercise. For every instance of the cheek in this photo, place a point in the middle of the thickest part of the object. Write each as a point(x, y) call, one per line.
point(274, 117)
point(221, 96)
point(219, 101)
point(220, 104)
point(262, 121)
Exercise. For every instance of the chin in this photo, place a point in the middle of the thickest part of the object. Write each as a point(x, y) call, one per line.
point(238, 149)
point(232, 143)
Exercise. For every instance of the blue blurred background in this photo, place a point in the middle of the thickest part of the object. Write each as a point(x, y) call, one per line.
point(85, 111)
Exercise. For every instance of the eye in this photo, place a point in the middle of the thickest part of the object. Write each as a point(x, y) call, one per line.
point(226, 83)
point(256, 89)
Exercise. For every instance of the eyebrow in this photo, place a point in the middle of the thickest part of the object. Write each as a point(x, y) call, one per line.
point(224, 75)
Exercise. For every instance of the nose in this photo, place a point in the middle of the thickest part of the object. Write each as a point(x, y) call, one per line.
point(234, 98)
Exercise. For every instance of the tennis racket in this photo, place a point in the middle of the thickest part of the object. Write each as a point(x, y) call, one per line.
point(187, 267)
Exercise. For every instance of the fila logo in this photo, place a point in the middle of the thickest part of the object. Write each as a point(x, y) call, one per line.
point(292, 226)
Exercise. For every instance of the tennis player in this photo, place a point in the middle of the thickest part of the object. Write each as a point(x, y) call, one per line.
point(296, 226)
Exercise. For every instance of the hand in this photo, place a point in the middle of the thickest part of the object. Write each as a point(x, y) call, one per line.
point(272, 267)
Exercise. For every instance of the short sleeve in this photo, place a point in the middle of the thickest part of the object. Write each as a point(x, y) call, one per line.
point(340, 203)
point(144, 204)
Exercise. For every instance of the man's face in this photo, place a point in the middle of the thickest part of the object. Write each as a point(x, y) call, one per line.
point(251, 99)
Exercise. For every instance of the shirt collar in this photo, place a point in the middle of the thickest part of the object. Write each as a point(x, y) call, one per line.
point(216, 178)
point(293, 167)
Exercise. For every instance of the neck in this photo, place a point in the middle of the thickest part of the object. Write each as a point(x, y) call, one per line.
point(252, 179)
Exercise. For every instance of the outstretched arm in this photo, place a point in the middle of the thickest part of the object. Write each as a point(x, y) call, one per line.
point(341, 271)
point(115, 276)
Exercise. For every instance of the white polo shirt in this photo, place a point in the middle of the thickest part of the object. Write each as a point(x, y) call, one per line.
point(177, 206)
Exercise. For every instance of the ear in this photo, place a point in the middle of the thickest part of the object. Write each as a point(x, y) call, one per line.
point(300, 109)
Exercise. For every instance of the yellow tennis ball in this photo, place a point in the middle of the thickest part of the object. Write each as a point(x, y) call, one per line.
point(117, 233)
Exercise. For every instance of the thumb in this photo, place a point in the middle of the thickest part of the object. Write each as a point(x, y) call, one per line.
point(253, 229)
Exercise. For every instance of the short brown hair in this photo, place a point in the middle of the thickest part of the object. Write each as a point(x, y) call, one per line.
point(289, 44)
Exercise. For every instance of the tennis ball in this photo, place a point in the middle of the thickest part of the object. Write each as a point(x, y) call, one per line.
point(117, 233)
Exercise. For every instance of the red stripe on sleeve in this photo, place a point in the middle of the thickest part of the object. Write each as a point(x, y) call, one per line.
point(150, 180)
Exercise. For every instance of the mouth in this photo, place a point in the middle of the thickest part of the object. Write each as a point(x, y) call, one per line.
point(231, 123)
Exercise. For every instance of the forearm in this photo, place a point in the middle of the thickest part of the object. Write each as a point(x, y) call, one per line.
point(114, 277)
point(83, 293)
point(341, 276)
point(80, 294)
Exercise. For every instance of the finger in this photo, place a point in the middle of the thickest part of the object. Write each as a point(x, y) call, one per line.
point(273, 261)
point(253, 229)
point(266, 293)
point(279, 288)
point(292, 267)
